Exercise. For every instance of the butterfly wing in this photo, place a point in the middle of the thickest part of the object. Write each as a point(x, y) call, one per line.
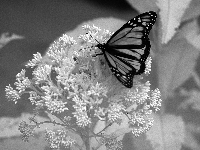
point(122, 67)
point(128, 48)
point(140, 25)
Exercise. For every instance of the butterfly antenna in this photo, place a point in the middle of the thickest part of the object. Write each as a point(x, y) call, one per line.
point(96, 46)
point(94, 39)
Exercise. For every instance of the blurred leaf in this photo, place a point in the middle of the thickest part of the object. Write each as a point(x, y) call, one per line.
point(191, 142)
point(143, 5)
point(191, 33)
point(193, 100)
point(167, 133)
point(176, 64)
point(171, 12)
point(5, 38)
point(100, 125)
point(193, 11)
point(53, 117)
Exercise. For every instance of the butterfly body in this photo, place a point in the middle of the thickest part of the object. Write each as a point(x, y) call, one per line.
point(128, 48)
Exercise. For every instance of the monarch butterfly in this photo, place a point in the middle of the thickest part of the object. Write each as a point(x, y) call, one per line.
point(128, 48)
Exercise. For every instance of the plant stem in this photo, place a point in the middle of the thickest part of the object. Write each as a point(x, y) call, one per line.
point(87, 140)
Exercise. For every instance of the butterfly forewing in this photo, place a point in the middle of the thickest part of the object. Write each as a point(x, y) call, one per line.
point(147, 19)
point(128, 36)
point(128, 48)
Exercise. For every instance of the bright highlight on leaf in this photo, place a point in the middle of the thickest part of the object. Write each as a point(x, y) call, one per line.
point(171, 13)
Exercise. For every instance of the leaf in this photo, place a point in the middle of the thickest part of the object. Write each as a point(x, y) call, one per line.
point(143, 5)
point(176, 65)
point(53, 117)
point(193, 100)
point(192, 142)
point(193, 11)
point(100, 125)
point(171, 12)
point(191, 33)
point(167, 133)
point(5, 38)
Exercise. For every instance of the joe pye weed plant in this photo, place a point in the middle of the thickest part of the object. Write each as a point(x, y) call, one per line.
point(74, 84)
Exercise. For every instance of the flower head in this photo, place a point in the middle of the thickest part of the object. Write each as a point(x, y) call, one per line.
point(74, 82)
point(58, 138)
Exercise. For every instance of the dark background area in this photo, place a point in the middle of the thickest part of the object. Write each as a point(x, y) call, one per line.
point(41, 22)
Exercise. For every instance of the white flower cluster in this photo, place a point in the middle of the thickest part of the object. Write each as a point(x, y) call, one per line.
point(65, 81)
point(58, 138)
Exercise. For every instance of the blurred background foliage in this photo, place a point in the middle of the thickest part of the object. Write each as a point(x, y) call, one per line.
point(175, 51)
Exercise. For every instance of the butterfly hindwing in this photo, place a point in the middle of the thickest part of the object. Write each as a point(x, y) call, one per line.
point(128, 48)
point(122, 70)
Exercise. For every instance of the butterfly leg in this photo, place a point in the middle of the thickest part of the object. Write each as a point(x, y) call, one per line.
point(97, 54)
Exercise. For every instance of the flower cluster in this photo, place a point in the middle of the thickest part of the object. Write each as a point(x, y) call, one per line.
point(112, 143)
point(21, 84)
point(72, 82)
point(140, 102)
point(26, 130)
point(58, 138)
point(115, 112)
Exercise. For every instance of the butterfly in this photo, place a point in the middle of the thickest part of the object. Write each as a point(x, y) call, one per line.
point(128, 48)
